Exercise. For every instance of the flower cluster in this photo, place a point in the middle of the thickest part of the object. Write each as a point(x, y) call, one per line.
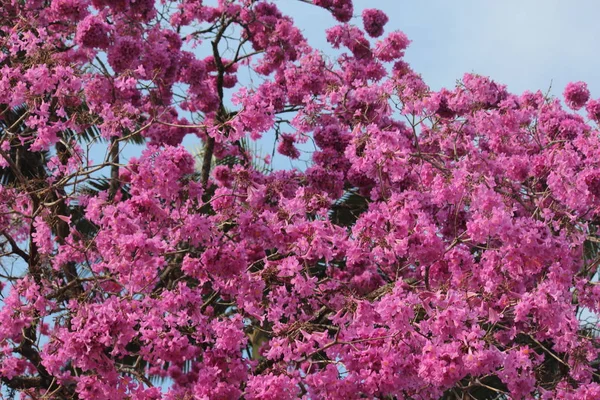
point(576, 95)
point(438, 244)
point(374, 20)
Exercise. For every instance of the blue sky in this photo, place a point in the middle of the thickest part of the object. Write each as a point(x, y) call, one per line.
point(527, 44)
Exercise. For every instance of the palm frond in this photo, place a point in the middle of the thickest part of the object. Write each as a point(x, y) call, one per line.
point(29, 163)
point(346, 210)
point(97, 185)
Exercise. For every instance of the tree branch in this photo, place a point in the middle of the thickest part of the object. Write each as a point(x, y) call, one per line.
point(15, 248)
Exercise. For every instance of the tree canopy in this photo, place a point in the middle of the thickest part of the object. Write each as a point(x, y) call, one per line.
point(439, 245)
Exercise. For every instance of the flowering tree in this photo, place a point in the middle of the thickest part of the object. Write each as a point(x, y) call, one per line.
point(440, 245)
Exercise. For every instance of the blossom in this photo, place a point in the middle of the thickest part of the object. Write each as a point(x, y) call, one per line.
point(392, 46)
point(576, 94)
point(286, 146)
point(124, 54)
point(593, 110)
point(93, 32)
point(374, 20)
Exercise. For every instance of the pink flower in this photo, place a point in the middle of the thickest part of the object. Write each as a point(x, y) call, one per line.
point(125, 54)
point(42, 236)
point(593, 110)
point(93, 32)
point(272, 387)
point(576, 94)
point(392, 47)
point(341, 9)
point(286, 146)
point(374, 21)
point(71, 9)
